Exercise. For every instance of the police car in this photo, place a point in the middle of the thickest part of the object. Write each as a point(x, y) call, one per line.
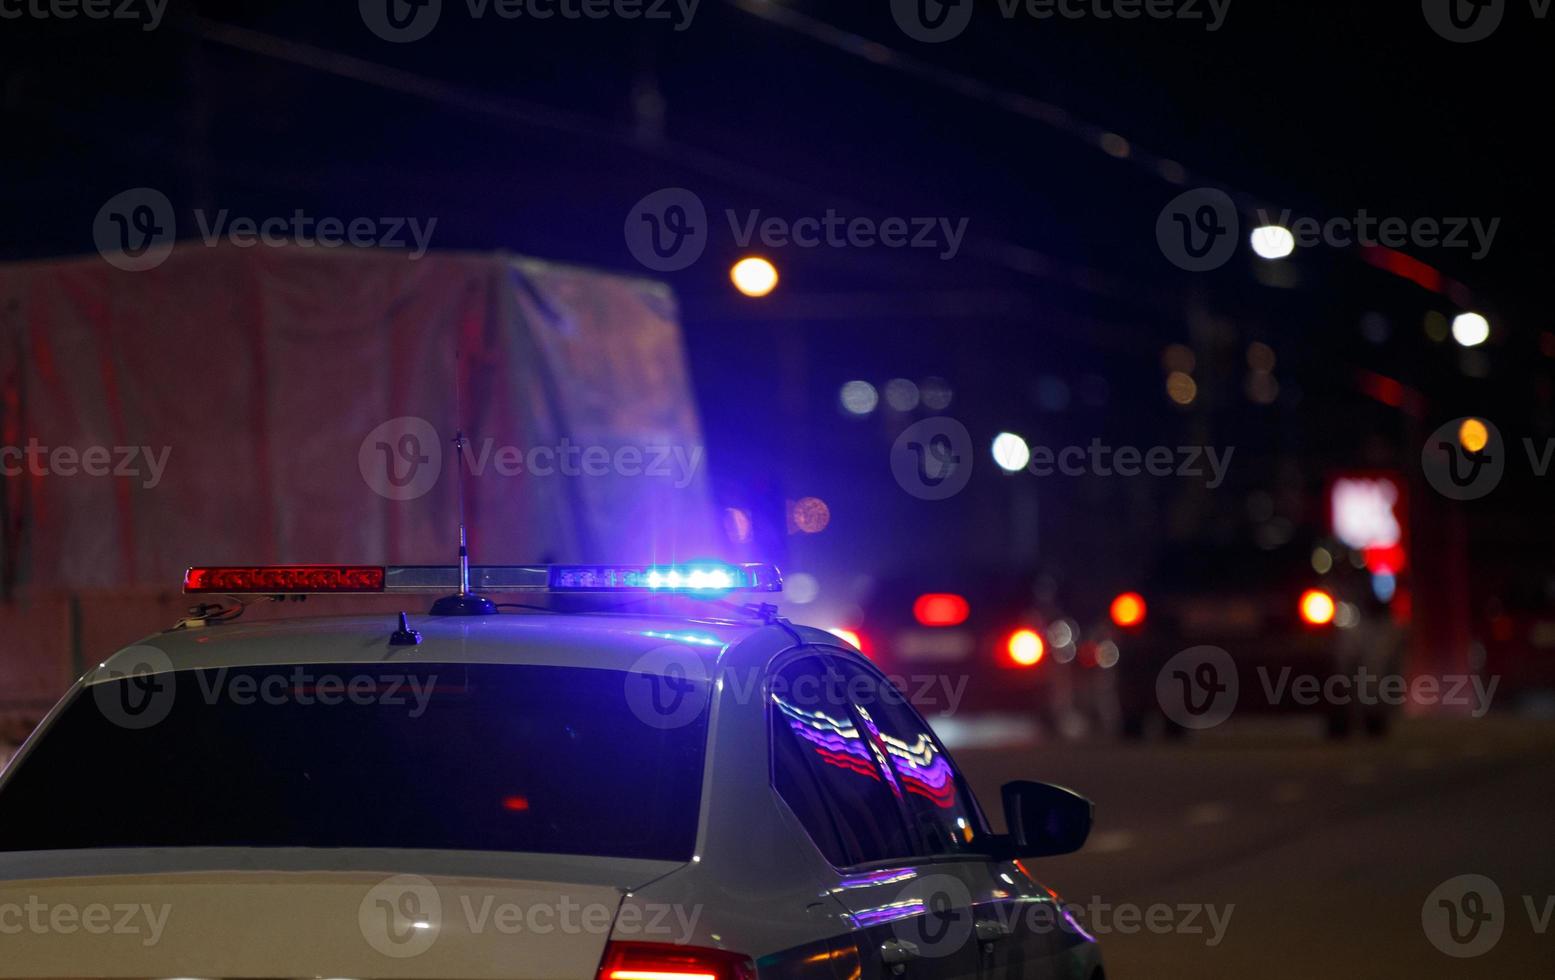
point(633, 777)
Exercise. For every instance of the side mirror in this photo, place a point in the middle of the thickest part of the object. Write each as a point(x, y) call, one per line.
point(1045, 819)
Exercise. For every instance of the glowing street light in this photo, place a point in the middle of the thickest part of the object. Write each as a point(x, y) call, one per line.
point(754, 276)
point(1273, 242)
point(1010, 452)
point(1470, 329)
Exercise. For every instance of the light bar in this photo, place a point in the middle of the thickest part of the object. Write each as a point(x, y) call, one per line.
point(699, 578)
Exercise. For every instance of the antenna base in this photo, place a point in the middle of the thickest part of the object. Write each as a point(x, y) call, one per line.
point(464, 604)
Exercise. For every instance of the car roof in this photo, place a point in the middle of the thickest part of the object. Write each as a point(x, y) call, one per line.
point(601, 641)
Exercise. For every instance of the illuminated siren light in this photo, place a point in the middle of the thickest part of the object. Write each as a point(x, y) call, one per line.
point(709, 578)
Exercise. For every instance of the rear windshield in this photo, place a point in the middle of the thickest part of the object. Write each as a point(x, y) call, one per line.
point(449, 756)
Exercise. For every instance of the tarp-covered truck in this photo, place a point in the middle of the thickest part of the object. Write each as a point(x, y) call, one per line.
point(261, 405)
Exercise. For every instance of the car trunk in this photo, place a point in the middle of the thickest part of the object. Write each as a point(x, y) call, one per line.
point(525, 920)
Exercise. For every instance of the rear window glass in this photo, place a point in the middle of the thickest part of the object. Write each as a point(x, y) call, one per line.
point(448, 756)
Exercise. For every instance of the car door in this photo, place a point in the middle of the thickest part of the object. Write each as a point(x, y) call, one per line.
point(1017, 927)
point(908, 917)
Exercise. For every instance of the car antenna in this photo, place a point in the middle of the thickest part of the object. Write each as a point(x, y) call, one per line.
point(465, 602)
point(404, 636)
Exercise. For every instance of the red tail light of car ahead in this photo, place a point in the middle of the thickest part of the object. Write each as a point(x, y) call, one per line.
point(667, 961)
point(1025, 648)
point(940, 609)
point(1317, 607)
point(1128, 610)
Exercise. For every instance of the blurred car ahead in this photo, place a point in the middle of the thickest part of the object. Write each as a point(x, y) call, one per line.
point(1006, 643)
point(708, 794)
point(1275, 617)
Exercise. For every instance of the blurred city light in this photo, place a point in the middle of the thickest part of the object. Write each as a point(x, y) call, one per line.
point(1025, 647)
point(1317, 607)
point(901, 394)
point(1273, 241)
point(754, 276)
point(811, 515)
point(1181, 388)
point(1011, 452)
point(800, 588)
point(859, 397)
point(1470, 329)
point(1128, 609)
point(1473, 436)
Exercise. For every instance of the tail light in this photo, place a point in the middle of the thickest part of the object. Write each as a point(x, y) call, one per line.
point(667, 961)
point(1317, 607)
point(1025, 648)
point(940, 609)
point(1128, 610)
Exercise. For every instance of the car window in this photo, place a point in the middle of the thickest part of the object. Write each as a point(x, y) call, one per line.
point(828, 772)
point(431, 755)
point(943, 816)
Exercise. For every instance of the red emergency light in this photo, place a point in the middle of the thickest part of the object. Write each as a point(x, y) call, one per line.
point(284, 579)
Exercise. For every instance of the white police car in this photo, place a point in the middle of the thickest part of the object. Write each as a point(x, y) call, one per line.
point(607, 793)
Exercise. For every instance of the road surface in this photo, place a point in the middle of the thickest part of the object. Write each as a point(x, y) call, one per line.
point(1270, 852)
